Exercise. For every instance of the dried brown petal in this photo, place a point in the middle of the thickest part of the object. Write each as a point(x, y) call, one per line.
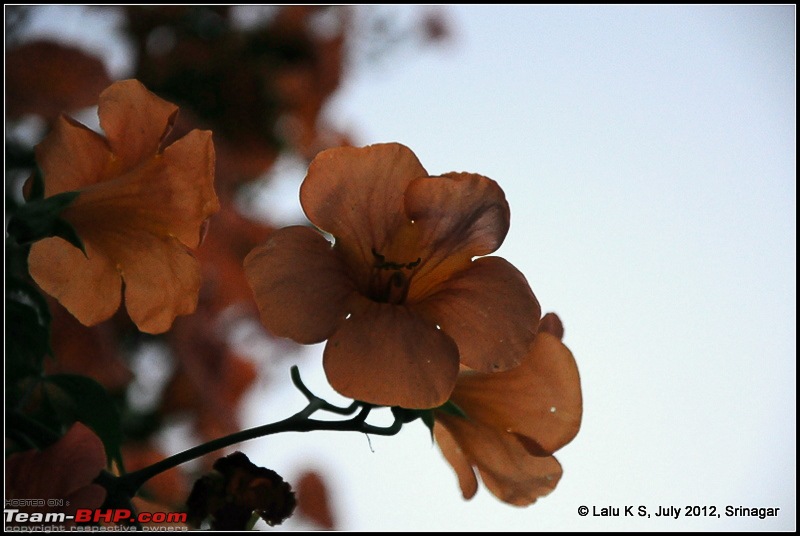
point(236, 489)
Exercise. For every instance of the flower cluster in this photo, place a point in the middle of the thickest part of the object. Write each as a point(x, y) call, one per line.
point(415, 314)
point(125, 234)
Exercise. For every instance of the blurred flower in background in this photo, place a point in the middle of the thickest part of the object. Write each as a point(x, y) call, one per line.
point(259, 78)
point(65, 470)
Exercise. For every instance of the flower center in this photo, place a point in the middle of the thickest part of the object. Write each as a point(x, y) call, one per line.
point(389, 281)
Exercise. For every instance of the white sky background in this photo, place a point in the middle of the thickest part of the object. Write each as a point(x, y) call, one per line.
point(648, 155)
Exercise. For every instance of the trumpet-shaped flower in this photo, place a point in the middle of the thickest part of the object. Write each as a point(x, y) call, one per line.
point(398, 295)
point(513, 421)
point(140, 207)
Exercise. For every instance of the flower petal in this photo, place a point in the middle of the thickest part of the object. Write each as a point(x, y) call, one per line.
point(184, 186)
point(456, 458)
point(489, 311)
point(135, 121)
point(89, 351)
point(300, 284)
point(533, 478)
point(551, 324)
point(89, 288)
point(387, 355)
point(91, 496)
point(458, 216)
point(538, 402)
point(506, 468)
point(63, 468)
point(162, 280)
point(83, 453)
point(314, 500)
point(72, 157)
point(356, 194)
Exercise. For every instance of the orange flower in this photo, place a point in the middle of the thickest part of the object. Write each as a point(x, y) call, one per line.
point(141, 205)
point(398, 295)
point(65, 470)
point(45, 77)
point(514, 421)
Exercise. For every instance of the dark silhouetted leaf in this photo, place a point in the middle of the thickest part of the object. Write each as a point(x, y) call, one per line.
point(40, 219)
point(94, 407)
point(28, 326)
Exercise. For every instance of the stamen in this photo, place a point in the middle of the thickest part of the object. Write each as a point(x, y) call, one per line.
point(414, 264)
point(394, 288)
point(382, 264)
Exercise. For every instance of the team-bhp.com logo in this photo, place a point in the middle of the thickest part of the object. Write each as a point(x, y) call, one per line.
point(86, 516)
point(121, 515)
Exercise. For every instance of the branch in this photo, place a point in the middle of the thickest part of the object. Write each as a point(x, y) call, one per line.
point(130, 483)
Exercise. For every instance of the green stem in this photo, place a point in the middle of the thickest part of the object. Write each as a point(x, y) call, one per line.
point(130, 483)
point(312, 398)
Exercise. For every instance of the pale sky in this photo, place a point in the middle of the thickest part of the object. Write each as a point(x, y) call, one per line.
point(648, 156)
